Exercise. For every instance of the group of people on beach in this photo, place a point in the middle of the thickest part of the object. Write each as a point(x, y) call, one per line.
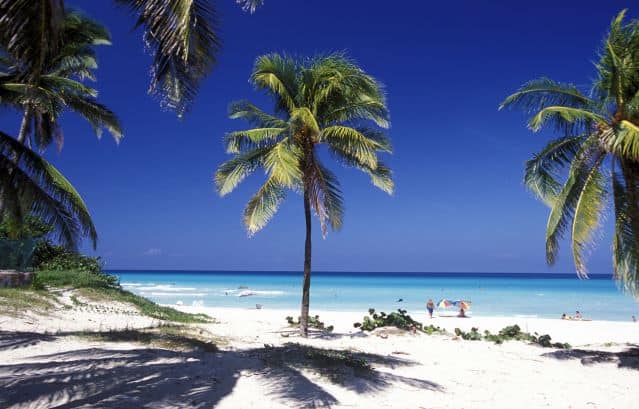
point(577, 317)
point(430, 306)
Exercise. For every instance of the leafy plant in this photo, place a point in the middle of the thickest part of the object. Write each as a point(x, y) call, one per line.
point(510, 333)
point(313, 322)
point(399, 319)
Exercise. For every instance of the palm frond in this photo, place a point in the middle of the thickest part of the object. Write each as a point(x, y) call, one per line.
point(624, 140)
point(570, 120)
point(564, 205)
point(542, 170)
point(625, 246)
point(263, 206)
point(277, 74)
point(98, 115)
point(250, 5)
point(544, 92)
point(356, 143)
point(44, 191)
point(181, 35)
point(282, 163)
point(238, 141)
point(587, 217)
point(232, 172)
point(254, 115)
point(325, 197)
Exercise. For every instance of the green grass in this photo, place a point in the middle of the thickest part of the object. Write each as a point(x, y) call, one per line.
point(15, 301)
point(74, 279)
point(104, 287)
point(145, 306)
point(174, 337)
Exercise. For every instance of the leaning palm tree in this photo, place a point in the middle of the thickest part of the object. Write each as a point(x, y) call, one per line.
point(596, 157)
point(59, 84)
point(180, 35)
point(325, 101)
point(32, 186)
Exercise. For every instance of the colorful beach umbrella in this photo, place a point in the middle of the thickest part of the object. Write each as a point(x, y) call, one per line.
point(444, 303)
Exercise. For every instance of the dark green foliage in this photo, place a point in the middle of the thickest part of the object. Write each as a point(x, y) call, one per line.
point(313, 322)
point(30, 227)
point(510, 333)
point(399, 319)
point(473, 335)
point(57, 258)
point(75, 279)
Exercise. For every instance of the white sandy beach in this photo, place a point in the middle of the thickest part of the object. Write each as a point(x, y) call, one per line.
point(255, 366)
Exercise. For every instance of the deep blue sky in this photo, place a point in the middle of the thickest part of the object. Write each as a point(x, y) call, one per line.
point(460, 204)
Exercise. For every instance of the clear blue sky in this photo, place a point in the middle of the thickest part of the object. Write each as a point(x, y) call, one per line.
point(460, 204)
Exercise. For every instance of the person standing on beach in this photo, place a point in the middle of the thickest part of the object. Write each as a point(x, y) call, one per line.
point(430, 306)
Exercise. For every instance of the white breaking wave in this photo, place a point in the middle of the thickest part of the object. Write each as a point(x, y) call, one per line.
point(166, 288)
point(172, 294)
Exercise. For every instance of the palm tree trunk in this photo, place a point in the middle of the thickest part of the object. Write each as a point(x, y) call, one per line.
point(306, 287)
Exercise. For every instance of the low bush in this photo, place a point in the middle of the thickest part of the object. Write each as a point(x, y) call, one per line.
point(49, 257)
point(399, 319)
point(511, 333)
point(313, 322)
point(75, 279)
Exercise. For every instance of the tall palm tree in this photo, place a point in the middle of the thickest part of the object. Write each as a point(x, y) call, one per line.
point(58, 85)
point(31, 185)
point(325, 101)
point(181, 36)
point(597, 154)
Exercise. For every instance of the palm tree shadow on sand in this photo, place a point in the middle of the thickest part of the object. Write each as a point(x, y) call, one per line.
point(154, 377)
point(628, 358)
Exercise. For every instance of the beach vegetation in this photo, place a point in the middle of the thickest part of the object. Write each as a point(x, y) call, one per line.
point(595, 160)
point(325, 103)
point(313, 322)
point(510, 333)
point(168, 336)
point(16, 301)
point(399, 319)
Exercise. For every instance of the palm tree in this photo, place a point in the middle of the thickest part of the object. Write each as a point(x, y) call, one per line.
point(325, 101)
point(58, 85)
point(31, 185)
point(180, 35)
point(597, 154)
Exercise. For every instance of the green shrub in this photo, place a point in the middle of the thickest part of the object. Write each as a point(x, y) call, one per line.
point(399, 319)
point(313, 322)
point(75, 279)
point(473, 335)
point(510, 333)
point(47, 256)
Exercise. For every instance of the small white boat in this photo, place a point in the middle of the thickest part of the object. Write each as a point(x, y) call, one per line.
point(245, 293)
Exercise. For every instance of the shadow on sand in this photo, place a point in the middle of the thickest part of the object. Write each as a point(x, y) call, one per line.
point(153, 377)
point(628, 358)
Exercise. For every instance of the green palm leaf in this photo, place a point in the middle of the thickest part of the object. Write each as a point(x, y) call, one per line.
point(542, 170)
point(39, 188)
point(588, 213)
point(181, 35)
point(263, 206)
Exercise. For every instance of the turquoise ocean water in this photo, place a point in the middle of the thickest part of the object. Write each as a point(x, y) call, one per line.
point(492, 294)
